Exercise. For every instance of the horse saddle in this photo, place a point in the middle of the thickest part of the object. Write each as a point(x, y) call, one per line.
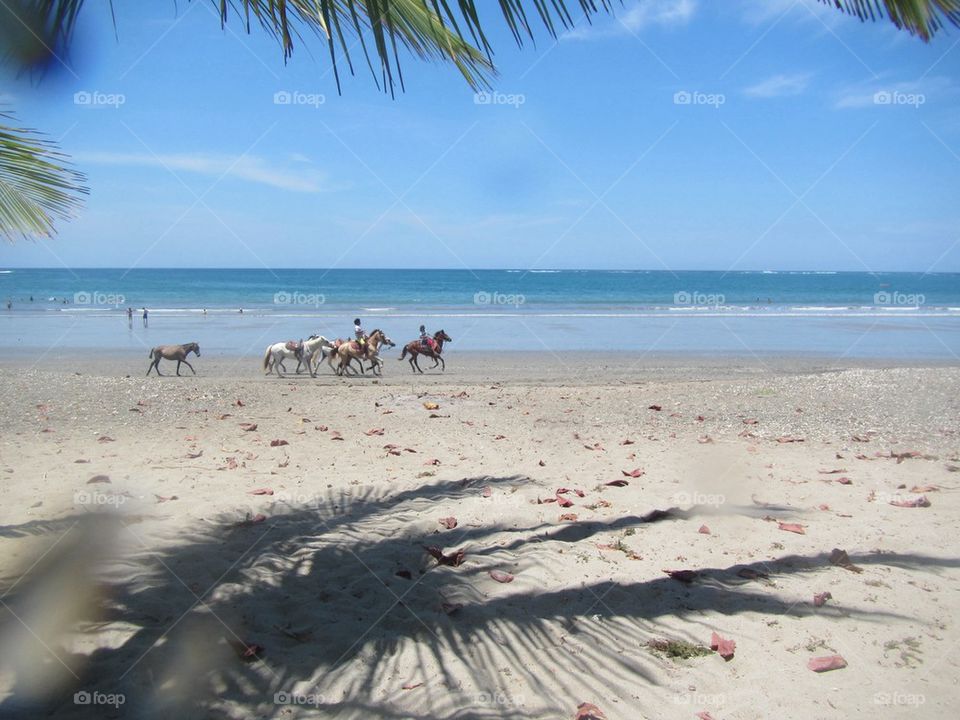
point(294, 346)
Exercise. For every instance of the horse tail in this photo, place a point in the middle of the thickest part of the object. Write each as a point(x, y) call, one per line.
point(403, 354)
point(266, 357)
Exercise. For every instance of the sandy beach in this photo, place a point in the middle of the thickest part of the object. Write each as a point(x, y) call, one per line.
point(570, 489)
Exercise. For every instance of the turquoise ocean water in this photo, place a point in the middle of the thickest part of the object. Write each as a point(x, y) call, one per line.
point(842, 314)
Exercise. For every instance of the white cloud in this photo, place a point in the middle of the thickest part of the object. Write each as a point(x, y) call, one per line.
point(779, 86)
point(648, 13)
point(246, 167)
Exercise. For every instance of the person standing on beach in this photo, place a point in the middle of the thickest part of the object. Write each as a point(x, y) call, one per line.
point(130, 318)
point(145, 317)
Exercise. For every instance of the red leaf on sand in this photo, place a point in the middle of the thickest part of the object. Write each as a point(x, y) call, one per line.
point(589, 711)
point(501, 577)
point(840, 558)
point(724, 647)
point(823, 507)
point(448, 522)
point(374, 431)
point(792, 527)
point(656, 408)
point(105, 439)
point(563, 491)
point(239, 402)
point(568, 517)
point(410, 685)
point(487, 491)
point(258, 518)
point(563, 502)
point(626, 441)
point(278, 443)
point(261, 491)
point(335, 435)
point(617, 483)
point(248, 427)
point(704, 715)
point(635, 473)
point(162, 499)
point(453, 559)
point(704, 530)
point(820, 599)
point(844, 481)
point(750, 421)
point(547, 500)
point(789, 439)
point(499, 437)
point(832, 472)
point(432, 461)
point(700, 418)
point(826, 663)
point(248, 652)
point(684, 576)
point(912, 503)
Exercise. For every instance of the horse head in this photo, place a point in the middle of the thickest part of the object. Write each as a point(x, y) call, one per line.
point(195, 347)
point(441, 335)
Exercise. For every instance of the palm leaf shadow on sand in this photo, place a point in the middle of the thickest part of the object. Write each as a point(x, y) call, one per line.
point(343, 632)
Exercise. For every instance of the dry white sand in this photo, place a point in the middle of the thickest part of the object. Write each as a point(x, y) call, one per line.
point(356, 620)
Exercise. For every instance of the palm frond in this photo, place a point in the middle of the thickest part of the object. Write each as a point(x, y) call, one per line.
point(37, 184)
point(923, 18)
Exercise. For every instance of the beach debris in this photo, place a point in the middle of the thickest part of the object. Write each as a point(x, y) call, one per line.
point(411, 685)
point(105, 439)
point(792, 527)
point(568, 517)
point(617, 483)
point(450, 608)
point(321, 428)
point(454, 559)
point(750, 421)
point(700, 418)
point(626, 441)
point(81, 461)
point(246, 651)
point(541, 463)
point(684, 576)
point(563, 502)
point(596, 446)
point(924, 488)
point(589, 711)
point(98, 479)
point(499, 437)
point(487, 491)
point(820, 599)
point(704, 530)
point(546, 500)
point(655, 408)
point(405, 574)
point(844, 480)
point(704, 715)
point(790, 439)
point(374, 431)
point(448, 522)
point(635, 473)
point(724, 647)
point(260, 491)
point(826, 663)
point(162, 499)
point(223, 416)
point(751, 574)
point(501, 577)
point(836, 471)
point(431, 406)
point(704, 439)
point(840, 558)
point(251, 520)
point(194, 455)
point(248, 426)
point(912, 502)
point(335, 435)
point(278, 443)
point(239, 403)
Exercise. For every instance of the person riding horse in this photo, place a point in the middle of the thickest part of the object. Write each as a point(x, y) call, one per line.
point(425, 340)
point(361, 336)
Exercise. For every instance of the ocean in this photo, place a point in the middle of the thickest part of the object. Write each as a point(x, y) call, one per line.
point(830, 314)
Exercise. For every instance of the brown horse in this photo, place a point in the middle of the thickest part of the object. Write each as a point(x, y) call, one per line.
point(349, 350)
point(415, 347)
point(173, 352)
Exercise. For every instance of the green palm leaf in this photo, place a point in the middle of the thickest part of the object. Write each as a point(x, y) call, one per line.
point(37, 185)
point(923, 18)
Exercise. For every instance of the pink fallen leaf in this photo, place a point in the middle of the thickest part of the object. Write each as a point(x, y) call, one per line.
point(335, 435)
point(917, 502)
point(750, 421)
point(724, 647)
point(410, 685)
point(635, 473)
point(840, 558)
point(261, 491)
point(820, 599)
point(162, 499)
point(684, 576)
point(454, 559)
point(704, 530)
point(248, 426)
point(374, 431)
point(589, 711)
point(487, 491)
point(792, 527)
point(501, 577)
point(432, 461)
point(105, 439)
point(278, 443)
point(617, 483)
point(844, 480)
point(626, 441)
point(448, 522)
point(563, 502)
point(826, 663)
point(568, 517)
point(704, 715)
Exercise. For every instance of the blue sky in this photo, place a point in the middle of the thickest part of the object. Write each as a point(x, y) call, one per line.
point(684, 134)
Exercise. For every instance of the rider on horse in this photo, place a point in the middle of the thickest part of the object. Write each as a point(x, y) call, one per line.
point(361, 336)
point(425, 340)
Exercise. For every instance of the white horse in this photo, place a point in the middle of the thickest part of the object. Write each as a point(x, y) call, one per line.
point(275, 354)
point(312, 347)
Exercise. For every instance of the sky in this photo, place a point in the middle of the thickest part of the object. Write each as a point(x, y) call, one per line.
point(679, 134)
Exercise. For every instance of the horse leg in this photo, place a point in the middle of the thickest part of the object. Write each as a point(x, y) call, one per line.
point(187, 363)
point(416, 362)
point(443, 365)
point(178, 367)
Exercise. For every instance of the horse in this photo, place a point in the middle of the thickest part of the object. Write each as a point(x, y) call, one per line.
point(415, 347)
point(311, 346)
point(275, 354)
point(172, 352)
point(350, 350)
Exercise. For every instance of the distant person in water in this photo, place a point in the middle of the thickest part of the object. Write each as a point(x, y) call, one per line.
point(9, 305)
point(145, 317)
point(241, 311)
